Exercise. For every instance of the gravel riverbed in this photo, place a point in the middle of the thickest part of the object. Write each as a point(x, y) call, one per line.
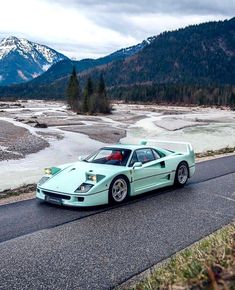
point(16, 142)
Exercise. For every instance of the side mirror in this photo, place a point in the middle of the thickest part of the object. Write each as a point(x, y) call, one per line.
point(80, 158)
point(137, 165)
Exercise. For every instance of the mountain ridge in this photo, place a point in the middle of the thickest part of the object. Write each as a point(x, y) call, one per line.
point(64, 68)
point(202, 54)
point(22, 60)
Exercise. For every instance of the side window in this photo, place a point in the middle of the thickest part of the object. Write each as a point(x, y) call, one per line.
point(149, 155)
point(156, 154)
point(145, 155)
point(133, 159)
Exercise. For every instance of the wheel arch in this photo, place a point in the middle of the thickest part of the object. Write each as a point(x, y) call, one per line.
point(121, 175)
point(183, 161)
point(125, 177)
point(180, 163)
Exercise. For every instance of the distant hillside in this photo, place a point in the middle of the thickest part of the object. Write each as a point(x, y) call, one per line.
point(201, 55)
point(63, 69)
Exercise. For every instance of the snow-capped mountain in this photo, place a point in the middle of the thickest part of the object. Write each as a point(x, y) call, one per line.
point(22, 60)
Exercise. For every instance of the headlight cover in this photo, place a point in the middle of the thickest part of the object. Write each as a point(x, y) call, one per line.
point(43, 180)
point(84, 187)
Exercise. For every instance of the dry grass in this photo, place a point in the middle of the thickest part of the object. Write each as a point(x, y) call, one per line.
point(18, 191)
point(222, 151)
point(208, 264)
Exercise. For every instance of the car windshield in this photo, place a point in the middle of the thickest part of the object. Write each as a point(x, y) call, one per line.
point(110, 156)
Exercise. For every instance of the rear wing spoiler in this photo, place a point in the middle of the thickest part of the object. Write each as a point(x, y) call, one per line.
point(178, 147)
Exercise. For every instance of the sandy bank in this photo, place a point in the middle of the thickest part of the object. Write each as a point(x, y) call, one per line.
point(102, 133)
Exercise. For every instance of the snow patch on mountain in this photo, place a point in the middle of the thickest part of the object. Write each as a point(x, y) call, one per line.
point(128, 51)
point(34, 75)
point(45, 67)
point(21, 75)
point(29, 50)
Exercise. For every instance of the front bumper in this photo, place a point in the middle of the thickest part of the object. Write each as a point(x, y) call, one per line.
point(85, 200)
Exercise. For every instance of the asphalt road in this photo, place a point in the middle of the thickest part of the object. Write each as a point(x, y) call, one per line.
point(48, 247)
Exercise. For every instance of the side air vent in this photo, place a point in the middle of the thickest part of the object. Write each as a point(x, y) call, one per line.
point(162, 164)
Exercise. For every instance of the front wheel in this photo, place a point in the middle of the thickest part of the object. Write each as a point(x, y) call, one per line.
point(181, 174)
point(118, 190)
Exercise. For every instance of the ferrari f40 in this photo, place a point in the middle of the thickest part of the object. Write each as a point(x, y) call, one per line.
point(114, 173)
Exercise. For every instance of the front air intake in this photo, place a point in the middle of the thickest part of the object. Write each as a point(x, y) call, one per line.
point(52, 194)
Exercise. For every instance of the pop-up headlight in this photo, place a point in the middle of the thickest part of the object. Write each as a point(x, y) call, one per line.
point(94, 177)
point(47, 171)
point(51, 171)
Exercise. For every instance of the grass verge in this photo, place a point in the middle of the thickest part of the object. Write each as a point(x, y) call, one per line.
point(207, 264)
point(222, 151)
point(17, 191)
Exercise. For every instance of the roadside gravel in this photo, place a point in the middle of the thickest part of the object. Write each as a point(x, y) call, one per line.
point(21, 197)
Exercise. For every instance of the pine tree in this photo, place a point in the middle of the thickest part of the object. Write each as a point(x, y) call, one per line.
point(103, 104)
point(232, 101)
point(73, 92)
point(87, 96)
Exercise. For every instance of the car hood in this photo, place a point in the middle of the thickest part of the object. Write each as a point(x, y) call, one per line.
point(71, 177)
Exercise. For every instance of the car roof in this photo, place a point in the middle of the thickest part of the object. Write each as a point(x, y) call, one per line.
point(128, 146)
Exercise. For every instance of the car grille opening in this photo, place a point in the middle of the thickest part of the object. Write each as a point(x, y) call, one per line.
point(52, 194)
point(80, 198)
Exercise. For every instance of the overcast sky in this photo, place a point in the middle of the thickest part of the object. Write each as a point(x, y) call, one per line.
point(93, 28)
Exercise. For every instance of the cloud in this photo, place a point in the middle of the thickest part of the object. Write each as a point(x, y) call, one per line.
point(94, 28)
point(143, 18)
point(219, 7)
point(49, 23)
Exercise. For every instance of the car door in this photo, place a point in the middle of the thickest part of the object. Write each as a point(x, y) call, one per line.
point(152, 174)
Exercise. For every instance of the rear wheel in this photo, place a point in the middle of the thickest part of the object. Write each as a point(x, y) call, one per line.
point(119, 189)
point(181, 174)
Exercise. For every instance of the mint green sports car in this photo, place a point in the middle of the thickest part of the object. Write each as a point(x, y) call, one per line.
point(114, 173)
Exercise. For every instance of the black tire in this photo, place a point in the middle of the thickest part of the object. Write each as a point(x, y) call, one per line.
point(40, 201)
point(119, 190)
point(181, 174)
